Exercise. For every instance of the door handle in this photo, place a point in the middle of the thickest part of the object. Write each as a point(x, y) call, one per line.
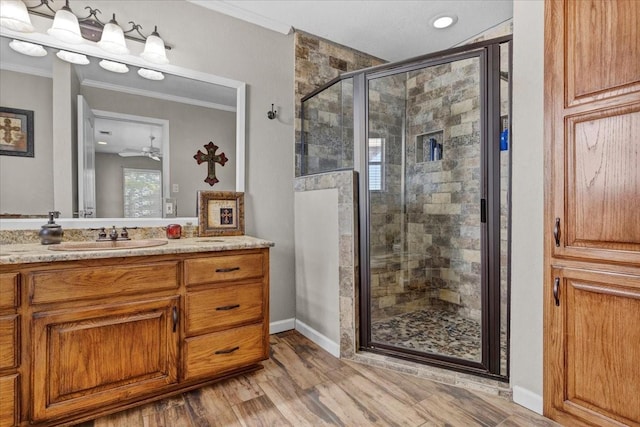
point(556, 232)
point(556, 291)
point(175, 318)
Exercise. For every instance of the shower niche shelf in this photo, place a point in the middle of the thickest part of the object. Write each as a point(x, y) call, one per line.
point(429, 146)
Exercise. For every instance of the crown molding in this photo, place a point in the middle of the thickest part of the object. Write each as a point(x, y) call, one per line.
point(244, 15)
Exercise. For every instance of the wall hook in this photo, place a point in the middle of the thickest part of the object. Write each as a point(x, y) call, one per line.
point(272, 114)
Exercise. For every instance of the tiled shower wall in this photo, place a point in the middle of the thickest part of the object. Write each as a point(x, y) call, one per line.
point(317, 61)
point(443, 195)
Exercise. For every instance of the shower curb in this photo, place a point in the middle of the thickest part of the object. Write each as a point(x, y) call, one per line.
point(458, 379)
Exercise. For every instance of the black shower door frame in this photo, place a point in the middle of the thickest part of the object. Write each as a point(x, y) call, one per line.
point(489, 55)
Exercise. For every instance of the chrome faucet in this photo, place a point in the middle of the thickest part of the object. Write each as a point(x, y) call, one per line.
point(113, 233)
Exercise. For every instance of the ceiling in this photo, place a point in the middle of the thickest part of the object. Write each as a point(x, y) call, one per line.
point(392, 30)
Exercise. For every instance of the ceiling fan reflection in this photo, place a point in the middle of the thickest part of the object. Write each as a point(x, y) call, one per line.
point(150, 151)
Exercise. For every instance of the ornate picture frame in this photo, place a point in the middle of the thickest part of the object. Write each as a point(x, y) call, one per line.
point(16, 132)
point(220, 213)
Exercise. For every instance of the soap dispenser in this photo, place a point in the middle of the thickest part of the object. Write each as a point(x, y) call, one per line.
point(51, 233)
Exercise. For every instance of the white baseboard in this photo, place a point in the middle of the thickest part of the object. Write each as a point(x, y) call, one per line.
point(330, 346)
point(528, 399)
point(282, 325)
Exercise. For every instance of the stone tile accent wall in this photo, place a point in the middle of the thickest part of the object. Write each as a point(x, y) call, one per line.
point(443, 195)
point(318, 61)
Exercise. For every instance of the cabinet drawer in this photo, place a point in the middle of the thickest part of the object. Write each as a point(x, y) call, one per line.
point(83, 283)
point(223, 307)
point(8, 290)
point(211, 354)
point(9, 341)
point(9, 401)
point(222, 268)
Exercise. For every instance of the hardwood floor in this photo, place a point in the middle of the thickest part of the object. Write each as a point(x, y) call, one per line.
point(302, 385)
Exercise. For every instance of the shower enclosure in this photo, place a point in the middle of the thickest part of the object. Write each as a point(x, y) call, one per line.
point(430, 139)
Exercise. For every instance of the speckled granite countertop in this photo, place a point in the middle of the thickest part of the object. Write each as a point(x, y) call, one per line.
point(22, 253)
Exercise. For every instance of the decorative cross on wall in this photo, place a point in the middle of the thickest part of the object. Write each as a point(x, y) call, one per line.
point(7, 128)
point(212, 158)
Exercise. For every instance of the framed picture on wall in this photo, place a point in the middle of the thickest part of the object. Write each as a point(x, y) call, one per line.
point(220, 213)
point(16, 132)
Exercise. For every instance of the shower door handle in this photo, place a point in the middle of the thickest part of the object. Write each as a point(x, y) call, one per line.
point(483, 210)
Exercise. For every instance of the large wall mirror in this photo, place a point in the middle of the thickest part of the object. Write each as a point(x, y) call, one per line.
point(116, 145)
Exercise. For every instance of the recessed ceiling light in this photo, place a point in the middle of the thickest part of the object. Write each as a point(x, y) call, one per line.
point(444, 21)
point(102, 142)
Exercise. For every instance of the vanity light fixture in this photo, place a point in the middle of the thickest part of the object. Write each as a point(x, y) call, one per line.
point(444, 20)
point(154, 50)
point(67, 27)
point(73, 57)
point(150, 74)
point(26, 48)
point(115, 67)
point(112, 39)
point(15, 16)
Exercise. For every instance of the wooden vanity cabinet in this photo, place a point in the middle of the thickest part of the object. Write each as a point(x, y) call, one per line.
point(227, 304)
point(104, 335)
point(10, 344)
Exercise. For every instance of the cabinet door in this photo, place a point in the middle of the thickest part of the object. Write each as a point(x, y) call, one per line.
point(102, 355)
point(594, 348)
point(592, 104)
point(9, 387)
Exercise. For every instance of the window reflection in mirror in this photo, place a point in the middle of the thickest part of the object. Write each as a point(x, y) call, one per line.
point(134, 124)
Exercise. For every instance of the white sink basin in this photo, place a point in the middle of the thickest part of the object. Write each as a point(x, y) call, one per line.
point(105, 245)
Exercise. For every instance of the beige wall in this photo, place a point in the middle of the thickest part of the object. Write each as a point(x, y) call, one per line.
point(527, 204)
point(28, 194)
point(317, 277)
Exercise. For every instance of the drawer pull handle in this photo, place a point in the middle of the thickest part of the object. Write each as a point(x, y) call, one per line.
point(227, 307)
point(227, 270)
point(231, 350)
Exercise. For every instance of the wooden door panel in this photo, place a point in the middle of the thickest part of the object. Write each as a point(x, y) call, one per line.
point(603, 180)
point(598, 341)
point(605, 65)
point(101, 355)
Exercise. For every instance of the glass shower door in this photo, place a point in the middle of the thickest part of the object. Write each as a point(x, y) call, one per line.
point(427, 231)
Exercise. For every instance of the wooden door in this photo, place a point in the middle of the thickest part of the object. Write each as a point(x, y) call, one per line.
point(592, 218)
point(94, 357)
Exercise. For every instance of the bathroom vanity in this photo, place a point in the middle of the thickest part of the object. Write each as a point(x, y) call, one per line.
point(84, 334)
